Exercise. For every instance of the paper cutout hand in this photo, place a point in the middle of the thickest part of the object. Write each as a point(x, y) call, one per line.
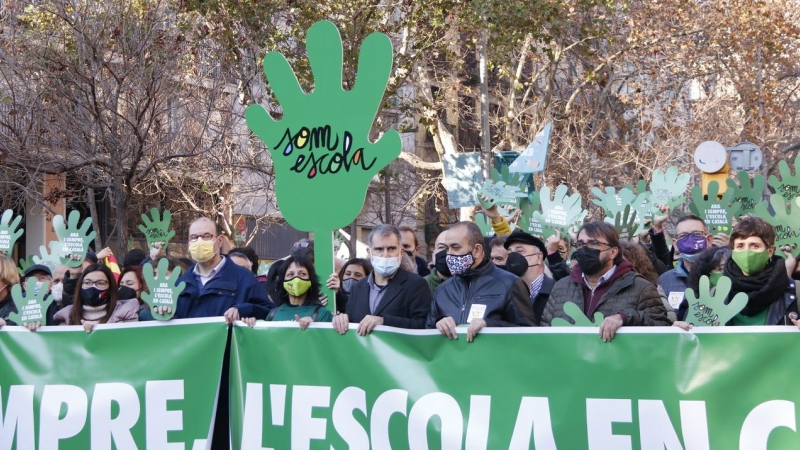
point(8, 231)
point(576, 314)
point(485, 224)
point(53, 257)
point(668, 188)
point(326, 131)
point(625, 222)
point(163, 290)
point(505, 197)
point(31, 304)
point(563, 210)
point(789, 184)
point(642, 204)
point(716, 213)
point(707, 309)
point(263, 268)
point(786, 220)
point(611, 201)
point(531, 220)
point(746, 194)
point(25, 263)
point(74, 240)
point(156, 229)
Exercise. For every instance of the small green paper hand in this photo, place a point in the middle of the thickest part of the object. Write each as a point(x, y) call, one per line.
point(668, 188)
point(8, 231)
point(156, 229)
point(789, 184)
point(485, 224)
point(642, 204)
point(163, 290)
point(625, 222)
point(505, 197)
point(716, 213)
point(786, 221)
point(707, 309)
point(576, 314)
point(611, 201)
point(31, 304)
point(25, 263)
point(530, 220)
point(746, 194)
point(562, 210)
point(53, 257)
point(74, 239)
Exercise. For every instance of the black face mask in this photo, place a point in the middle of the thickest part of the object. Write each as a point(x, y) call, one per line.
point(516, 264)
point(588, 260)
point(68, 293)
point(410, 254)
point(126, 293)
point(93, 297)
point(441, 264)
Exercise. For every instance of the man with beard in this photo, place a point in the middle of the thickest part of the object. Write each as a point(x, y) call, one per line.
point(755, 270)
point(604, 282)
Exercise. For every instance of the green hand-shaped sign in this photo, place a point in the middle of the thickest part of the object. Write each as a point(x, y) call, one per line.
point(562, 210)
point(786, 221)
point(74, 240)
point(576, 314)
point(707, 309)
point(642, 204)
point(25, 263)
point(668, 188)
point(485, 224)
point(31, 304)
point(611, 201)
point(8, 231)
point(716, 213)
point(50, 258)
point(156, 229)
point(506, 197)
point(163, 290)
point(625, 223)
point(530, 220)
point(789, 184)
point(263, 268)
point(746, 194)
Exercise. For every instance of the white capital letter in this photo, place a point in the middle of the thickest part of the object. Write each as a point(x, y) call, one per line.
point(533, 416)
point(18, 417)
point(600, 414)
point(104, 428)
point(345, 423)
point(304, 426)
point(51, 428)
point(656, 431)
point(762, 420)
point(159, 420)
point(387, 404)
point(435, 404)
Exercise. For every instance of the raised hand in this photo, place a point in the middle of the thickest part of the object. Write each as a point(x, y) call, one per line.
point(746, 194)
point(716, 213)
point(668, 188)
point(612, 201)
point(74, 239)
point(789, 184)
point(562, 210)
point(163, 290)
point(576, 314)
point(8, 231)
point(625, 223)
point(31, 304)
point(786, 220)
point(707, 309)
point(156, 227)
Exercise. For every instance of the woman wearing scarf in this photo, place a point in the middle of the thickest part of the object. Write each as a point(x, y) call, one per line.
point(755, 270)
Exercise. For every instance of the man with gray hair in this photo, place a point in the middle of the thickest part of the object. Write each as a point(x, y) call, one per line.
point(479, 294)
point(390, 295)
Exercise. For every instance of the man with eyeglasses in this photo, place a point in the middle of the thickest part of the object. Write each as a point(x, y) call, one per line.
point(530, 251)
point(691, 238)
point(215, 286)
point(604, 282)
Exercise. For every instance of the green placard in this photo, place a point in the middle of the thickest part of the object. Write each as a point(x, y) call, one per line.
point(578, 317)
point(668, 188)
point(561, 210)
point(611, 201)
point(506, 197)
point(74, 240)
point(625, 222)
point(788, 186)
point(530, 219)
point(746, 194)
point(785, 218)
point(163, 288)
point(9, 232)
point(156, 227)
point(321, 149)
point(31, 304)
point(716, 211)
point(642, 204)
point(709, 308)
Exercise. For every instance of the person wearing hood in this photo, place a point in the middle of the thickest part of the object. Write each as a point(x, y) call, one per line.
point(440, 273)
point(479, 294)
point(604, 282)
point(691, 239)
point(526, 259)
point(755, 270)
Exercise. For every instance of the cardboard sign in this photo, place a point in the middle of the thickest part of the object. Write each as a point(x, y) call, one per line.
point(785, 218)
point(611, 201)
point(715, 211)
point(463, 176)
point(162, 287)
point(746, 194)
point(576, 314)
point(74, 240)
point(668, 188)
point(708, 308)
point(156, 227)
point(561, 210)
point(9, 232)
point(534, 158)
point(31, 304)
point(788, 186)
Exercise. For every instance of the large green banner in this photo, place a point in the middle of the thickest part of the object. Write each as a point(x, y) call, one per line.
point(517, 389)
point(123, 386)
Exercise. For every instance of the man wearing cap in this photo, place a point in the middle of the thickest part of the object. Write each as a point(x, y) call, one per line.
point(530, 252)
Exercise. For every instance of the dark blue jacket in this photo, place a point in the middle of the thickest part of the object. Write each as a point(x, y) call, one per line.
point(233, 286)
point(675, 280)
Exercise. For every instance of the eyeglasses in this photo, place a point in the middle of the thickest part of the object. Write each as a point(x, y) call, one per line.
point(102, 284)
point(204, 236)
point(591, 244)
point(693, 233)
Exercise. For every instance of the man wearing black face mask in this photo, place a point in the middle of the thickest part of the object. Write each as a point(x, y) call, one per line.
point(440, 272)
point(530, 251)
point(604, 282)
point(478, 294)
point(410, 243)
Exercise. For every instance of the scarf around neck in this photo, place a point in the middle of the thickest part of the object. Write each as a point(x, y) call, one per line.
point(763, 288)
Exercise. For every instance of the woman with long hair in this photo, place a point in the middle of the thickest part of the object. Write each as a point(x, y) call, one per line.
point(96, 301)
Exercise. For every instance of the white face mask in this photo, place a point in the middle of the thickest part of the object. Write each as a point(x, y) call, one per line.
point(57, 291)
point(385, 267)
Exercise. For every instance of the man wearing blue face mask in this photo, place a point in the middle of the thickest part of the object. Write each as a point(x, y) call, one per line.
point(390, 295)
point(691, 238)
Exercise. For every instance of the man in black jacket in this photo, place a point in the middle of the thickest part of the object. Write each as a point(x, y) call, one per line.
point(479, 294)
point(531, 253)
point(390, 295)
